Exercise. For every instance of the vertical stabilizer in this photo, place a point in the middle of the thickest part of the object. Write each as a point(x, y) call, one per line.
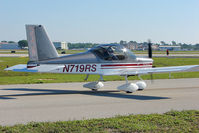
point(39, 45)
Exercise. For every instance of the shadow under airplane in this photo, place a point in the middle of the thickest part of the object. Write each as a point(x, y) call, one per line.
point(107, 93)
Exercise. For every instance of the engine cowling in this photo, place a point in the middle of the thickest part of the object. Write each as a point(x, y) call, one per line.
point(141, 85)
point(129, 87)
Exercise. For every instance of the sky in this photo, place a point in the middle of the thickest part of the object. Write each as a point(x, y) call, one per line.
point(103, 21)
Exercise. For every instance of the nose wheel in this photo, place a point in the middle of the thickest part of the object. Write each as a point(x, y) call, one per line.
point(141, 84)
point(132, 87)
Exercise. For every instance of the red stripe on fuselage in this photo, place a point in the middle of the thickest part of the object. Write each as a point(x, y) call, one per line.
point(126, 67)
point(111, 65)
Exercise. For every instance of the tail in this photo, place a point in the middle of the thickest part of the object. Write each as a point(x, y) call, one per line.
point(39, 45)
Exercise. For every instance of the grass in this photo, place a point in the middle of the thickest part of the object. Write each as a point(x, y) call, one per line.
point(173, 121)
point(2, 51)
point(7, 77)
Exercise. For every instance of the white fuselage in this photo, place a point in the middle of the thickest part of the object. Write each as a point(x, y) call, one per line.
point(95, 68)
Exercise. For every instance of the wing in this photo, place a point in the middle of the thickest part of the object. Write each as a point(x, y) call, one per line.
point(141, 71)
point(132, 71)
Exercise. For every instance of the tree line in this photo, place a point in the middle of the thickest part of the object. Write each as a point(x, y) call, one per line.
point(23, 43)
point(81, 45)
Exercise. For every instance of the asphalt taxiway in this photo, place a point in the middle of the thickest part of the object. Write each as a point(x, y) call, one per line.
point(70, 101)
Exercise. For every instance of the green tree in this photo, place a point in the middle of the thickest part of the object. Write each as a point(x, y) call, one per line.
point(162, 43)
point(196, 47)
point(11, 42)
point(23, 43)
point(174, 43)
point(186, 46)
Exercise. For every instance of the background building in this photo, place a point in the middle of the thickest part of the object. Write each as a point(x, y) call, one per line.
point(9, 46)
point(171, 48)
point(60, 45)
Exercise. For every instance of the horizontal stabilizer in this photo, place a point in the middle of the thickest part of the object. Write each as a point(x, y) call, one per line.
point(20, 68)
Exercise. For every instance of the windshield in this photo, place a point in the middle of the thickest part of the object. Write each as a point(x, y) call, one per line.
point(113, 52)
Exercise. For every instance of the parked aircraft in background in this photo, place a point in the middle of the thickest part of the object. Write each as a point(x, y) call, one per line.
point(109, 59)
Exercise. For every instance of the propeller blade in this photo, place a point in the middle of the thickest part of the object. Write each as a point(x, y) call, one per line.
point(149, 49)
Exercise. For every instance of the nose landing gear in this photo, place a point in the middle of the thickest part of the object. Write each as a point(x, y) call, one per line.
point(131, 87)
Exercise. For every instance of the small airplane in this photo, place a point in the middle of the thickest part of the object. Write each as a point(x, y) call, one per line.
point(107, 59)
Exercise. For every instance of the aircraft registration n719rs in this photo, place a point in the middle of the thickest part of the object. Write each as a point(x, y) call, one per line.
point(107, 59)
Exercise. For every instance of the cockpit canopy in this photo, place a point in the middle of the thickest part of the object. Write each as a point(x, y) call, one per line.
point(113, 52)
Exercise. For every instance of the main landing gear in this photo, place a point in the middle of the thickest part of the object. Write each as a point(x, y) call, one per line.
point(94, 85)
point(127, 87)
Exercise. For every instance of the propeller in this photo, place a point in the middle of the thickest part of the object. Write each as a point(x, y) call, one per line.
point(149, 49)
point(150, 56)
